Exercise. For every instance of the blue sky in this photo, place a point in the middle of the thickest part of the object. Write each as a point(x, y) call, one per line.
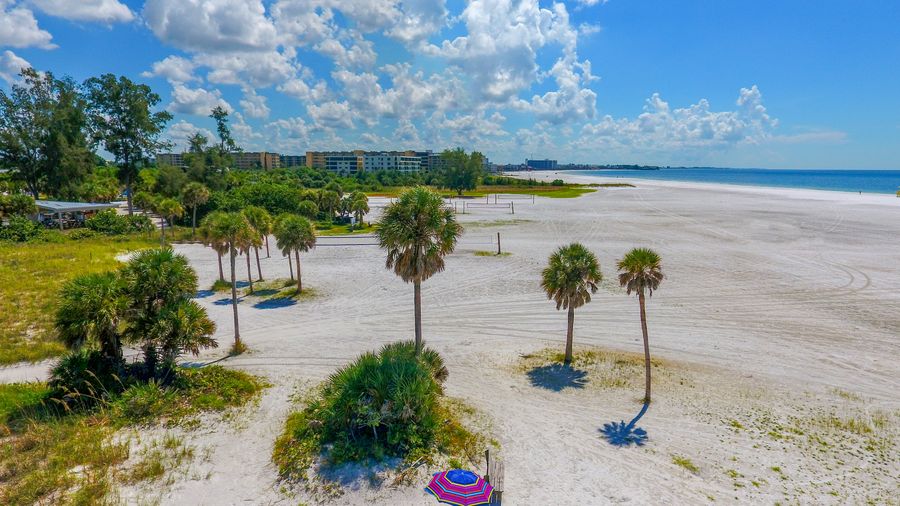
point(762, 84)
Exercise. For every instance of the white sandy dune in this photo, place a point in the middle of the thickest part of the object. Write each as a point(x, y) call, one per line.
point(777, 322)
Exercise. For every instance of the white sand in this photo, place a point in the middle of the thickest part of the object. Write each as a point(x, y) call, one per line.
point(773, 300)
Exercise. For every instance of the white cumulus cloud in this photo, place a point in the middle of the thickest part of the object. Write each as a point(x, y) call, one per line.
point(174, 69)
point(11, 65)
point(196, 101)
point(19, 28)
point(211, 25)
point(104, 11)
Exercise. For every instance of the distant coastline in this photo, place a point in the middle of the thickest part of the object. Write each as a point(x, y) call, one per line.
point(849, 180)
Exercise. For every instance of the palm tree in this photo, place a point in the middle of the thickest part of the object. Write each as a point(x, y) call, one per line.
point(168, 209)
point(144, 201)
point(193, 195)
point(294, 234)
point(640, 272)
point(234, 231)
point(208, 236)
point(261, 221)
point(418, 231)
point(571, 276)
point(91, 309)
point(330, 202)
point(182, 326)
point(359, 206)
point(152, 281)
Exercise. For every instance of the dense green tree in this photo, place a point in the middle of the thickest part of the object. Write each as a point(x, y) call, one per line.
point(418, 231)
point(329, 203)
point(17, 204)
point(42, 134)
point(194, 194)
point(460, 171)
point(145, 201)
point(295, 234)
point(170, 181)
point(640, 272)
point(571, 276)
point(123, 122)
point(226, 141)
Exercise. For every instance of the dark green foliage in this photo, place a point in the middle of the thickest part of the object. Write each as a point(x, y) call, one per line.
point(170, 181)
point(461, 171)
point(381, 405)
point(110, 223)
point(20, 229)
point(83, 378)
point(17, 204)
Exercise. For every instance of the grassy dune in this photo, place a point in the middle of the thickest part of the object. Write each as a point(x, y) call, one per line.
point(31, 274)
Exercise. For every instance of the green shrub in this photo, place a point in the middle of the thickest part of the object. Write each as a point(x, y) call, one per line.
point(558, 182)
point(20, 229)
point(110, 223)
point(381, 405)
point(84, 378)
point(82, 233)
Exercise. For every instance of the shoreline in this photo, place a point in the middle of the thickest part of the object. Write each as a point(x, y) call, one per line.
point(793, 193)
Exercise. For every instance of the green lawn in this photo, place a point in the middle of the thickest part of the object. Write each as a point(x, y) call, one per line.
point(564, 192)
point(31, 274)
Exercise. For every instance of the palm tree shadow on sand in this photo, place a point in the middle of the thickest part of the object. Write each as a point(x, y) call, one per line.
point(620, 434)
point(557, 377)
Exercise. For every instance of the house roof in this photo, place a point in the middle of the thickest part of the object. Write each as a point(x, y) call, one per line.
point(69, 207)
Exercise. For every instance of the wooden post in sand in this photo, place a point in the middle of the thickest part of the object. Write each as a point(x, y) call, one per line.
point(512, 207)
point(498, 243)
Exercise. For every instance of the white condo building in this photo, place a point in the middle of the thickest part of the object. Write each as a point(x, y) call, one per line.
point(403, 162)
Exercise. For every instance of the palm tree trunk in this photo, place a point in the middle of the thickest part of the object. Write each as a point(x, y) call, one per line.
point(291, 266)
point(267, 247)
point(299, 279)
point(237, 332)
point(249, 272)
point(258, 268)
point(646, 347)
point(570, 332)
point(194, 225)
point(417, 290)
point(162, 228)
point(221, 274)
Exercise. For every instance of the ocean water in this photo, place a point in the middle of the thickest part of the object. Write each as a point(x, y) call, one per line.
point(866, 181)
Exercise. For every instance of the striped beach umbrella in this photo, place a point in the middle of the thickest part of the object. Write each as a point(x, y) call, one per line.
point(460, 488)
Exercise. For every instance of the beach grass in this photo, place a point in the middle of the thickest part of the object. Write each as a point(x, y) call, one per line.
point(31, 275)
point(565, 191)
point(492, 254)
point(596, 367)
point(52, 455)
point(328, 229)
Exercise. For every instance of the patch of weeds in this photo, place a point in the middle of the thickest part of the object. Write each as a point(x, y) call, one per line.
point(496, 223)
point(160, 458)
point(604, 368)
point(221, 285)
point(735, 424)
point(685, 463)
point(492, 254)
point(844, 394)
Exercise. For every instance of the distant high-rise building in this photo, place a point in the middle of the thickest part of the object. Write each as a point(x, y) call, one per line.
point(541, 164)
point(172, 159)
point(256, 160)
point(336, 161)
point(406, 161)
point(288, 161)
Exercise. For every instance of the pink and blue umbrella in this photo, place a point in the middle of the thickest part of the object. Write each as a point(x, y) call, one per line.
point(460, 488)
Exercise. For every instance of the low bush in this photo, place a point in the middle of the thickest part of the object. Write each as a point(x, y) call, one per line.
point(82, 233)
point(84, 378)
point(20, 229)
point(384, 404)
point(110, 223)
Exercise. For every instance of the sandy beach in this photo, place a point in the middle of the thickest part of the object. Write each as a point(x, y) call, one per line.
point(776, 325)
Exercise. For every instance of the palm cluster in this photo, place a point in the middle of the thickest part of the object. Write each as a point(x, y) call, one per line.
point(146, 303)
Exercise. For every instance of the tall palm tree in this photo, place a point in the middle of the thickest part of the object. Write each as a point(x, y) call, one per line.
point(294, 234)
point(233, 230)
point(193, 195)
point(91, 309)
point(640, 272)
point(208, 236)
point(182, 326)
point(261, 221)
point(168, 209)
point(330, 202)
point(571, 276)
point(418, 231)
point(359, 206)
